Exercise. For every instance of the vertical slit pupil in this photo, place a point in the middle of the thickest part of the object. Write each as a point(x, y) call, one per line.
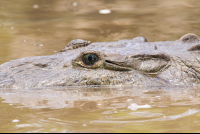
point(90, 57)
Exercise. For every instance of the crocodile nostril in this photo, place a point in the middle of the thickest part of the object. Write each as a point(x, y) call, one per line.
point(194, 48)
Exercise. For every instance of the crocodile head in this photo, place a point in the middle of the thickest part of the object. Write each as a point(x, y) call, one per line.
point(134, 62)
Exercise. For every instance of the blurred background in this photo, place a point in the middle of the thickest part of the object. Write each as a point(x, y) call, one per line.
point(44, 27)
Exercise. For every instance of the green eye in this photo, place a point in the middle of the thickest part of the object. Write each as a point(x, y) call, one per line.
point(89, 59)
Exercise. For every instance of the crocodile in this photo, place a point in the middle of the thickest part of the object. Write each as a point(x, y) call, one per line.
point(134, 62)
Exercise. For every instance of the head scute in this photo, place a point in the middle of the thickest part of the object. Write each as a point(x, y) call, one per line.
point(189, 38)
point(74, 44)
point(140, 39)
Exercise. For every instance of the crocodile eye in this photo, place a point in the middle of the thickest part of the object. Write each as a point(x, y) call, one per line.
point(90, 59)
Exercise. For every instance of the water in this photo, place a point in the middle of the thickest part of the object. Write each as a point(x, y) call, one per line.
point(100, 109)
point(35, 27)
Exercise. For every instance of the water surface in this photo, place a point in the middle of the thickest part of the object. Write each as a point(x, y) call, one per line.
point(44, 27)
point(100, 109)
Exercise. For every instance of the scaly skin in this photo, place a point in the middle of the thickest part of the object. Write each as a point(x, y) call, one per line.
point(125, 62)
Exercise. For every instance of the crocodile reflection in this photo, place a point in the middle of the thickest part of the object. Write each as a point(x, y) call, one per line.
point(102, 98)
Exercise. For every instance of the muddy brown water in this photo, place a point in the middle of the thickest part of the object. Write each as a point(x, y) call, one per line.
point(44, 27)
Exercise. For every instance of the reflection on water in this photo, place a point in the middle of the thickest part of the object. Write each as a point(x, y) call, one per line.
point(44, 27)
point(105, 109)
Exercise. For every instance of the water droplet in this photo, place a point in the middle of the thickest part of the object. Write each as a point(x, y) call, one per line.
point(105, 11)
point(74, 4)
point(15, 120)
point(129, 99)
point(35, 6)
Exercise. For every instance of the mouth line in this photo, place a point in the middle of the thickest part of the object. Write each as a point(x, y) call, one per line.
point(112, 65)
point(111, 62)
